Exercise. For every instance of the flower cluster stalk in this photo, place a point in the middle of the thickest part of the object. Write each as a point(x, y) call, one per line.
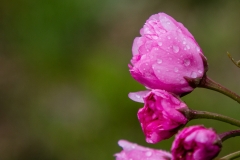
point(208, 83)
point(229, 134)
point(231, 156)
point(195, 114)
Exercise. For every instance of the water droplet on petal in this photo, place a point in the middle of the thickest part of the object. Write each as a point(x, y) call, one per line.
point(179, 30)
point(182, 81)
point(148, 153)
point(188, 47)
point(198, 49)
point(160, 43)
point(149, 141)
point(175, 49)
point(137, 96)
point(194, 75)
point(154, 37)
point(186, 62)
point(159, 61)
point(200, 71)
point(185, 48)
point(154, 116)
point(169, 37)
point(175, 69)
point(184, 42)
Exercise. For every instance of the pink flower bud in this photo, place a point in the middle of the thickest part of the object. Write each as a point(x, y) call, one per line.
point(133, 151)
point(196, 143)
point(159, 118)
point(165, 53)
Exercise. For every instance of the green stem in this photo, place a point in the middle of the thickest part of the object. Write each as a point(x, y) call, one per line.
point(229, 134)
point(194, 114)
point(231, 156)
point(237, 63)
point(208, 83)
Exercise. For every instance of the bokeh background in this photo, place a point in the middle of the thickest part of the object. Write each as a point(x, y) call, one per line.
point(64, 78)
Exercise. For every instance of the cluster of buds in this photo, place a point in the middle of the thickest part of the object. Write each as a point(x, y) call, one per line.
point(168, 61)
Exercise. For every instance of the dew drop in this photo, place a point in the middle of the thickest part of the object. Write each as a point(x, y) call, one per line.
point(175, 49)
point(154, 37)
point(154, 116)
point(198, 49)
point(159, 61)
point(182, 81)
point(184, 42)
point(168, 37)
point(137, 96)
point(188, 47)
point(200, 71)
point(186, 62)
point(185, 48)
point(175, 69)
point(149, 141)
point(148, 153)
point(194, 75)
point(160, 43)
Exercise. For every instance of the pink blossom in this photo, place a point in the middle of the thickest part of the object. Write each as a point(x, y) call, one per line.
point(196, 143)
point(133, 151)
point(165, 53)
point(159, 118)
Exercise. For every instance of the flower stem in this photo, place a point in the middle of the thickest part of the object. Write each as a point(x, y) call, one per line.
point(208, 83)
point(231, 156)
point(237, 63)
point(229, 134)
point(194, 114)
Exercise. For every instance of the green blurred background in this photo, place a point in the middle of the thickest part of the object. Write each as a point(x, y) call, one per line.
point(64, 75)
